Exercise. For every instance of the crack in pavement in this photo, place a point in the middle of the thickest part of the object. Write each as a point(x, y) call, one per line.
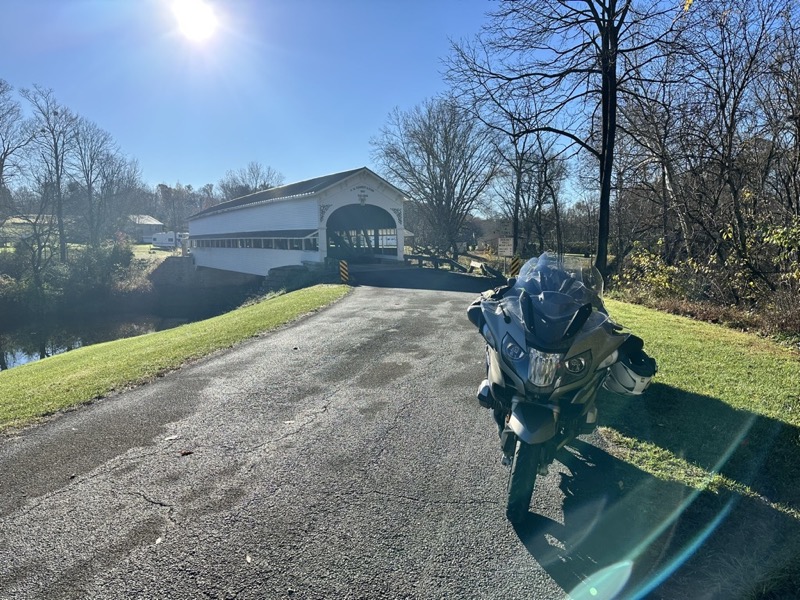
point(146, 498)
point(168, 517)
point(310, 416)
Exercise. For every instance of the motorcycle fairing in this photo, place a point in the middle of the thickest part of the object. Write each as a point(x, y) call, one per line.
point(532, 423)
point(597, 338)
point(550, 319)
point(569, 320)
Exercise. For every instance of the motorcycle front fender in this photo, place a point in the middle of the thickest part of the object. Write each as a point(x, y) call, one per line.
point(533, 424)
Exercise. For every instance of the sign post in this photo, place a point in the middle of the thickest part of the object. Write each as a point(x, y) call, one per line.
point(505, 248)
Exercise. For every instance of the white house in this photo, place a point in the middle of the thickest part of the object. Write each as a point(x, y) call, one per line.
point(144, 226)
point(354, 215)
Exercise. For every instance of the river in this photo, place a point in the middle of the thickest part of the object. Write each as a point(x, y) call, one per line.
point(33, 341)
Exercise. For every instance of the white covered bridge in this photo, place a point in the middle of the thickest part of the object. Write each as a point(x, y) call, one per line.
point(354, 215)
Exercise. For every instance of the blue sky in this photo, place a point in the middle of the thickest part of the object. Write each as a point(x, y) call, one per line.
point(299, 85)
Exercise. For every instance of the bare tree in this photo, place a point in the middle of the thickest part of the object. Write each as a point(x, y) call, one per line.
point(530, 193)
point(94, 149)
point(551, 174)
point(176, 204)
point(657, 121)
point(206, 196)
point(575, 58)
point(54, 140)
point(779, 101)
point(255, 177)
point(35, 211)
point(443, 159)
point(512, 115)
point(580, 227)
point(731, 44)
point(120, 187)
point(515, 153)
point(15, 135)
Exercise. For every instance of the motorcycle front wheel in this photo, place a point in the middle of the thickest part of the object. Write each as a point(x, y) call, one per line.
point(522, 480)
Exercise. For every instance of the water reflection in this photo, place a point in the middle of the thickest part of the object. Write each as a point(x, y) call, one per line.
point(34, 341)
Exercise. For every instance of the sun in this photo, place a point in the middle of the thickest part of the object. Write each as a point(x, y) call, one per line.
point(196, 19)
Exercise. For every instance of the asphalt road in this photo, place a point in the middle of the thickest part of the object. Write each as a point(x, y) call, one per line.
point(343, 456)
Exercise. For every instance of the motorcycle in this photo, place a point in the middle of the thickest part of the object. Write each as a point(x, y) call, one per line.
point(550, 346)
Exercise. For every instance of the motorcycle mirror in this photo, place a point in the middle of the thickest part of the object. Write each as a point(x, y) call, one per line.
point(526, 308)
point(578, 319)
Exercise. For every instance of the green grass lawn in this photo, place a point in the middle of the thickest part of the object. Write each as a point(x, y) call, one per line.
point(712, 454)
point(34, 390)
point(723, 412)
point(147, 253)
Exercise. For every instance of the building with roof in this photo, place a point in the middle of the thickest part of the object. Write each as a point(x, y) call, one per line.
point(142, 227)
point(354, 215)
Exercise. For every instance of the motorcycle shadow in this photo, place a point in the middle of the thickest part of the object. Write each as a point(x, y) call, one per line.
point(624, 533)
point(760, 452)
point(616, 524)
point(742, 540)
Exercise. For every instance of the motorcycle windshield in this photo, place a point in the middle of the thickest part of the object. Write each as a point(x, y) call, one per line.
point(556, 298)
point(571, 275)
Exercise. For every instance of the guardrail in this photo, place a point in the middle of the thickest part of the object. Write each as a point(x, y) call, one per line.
point(434, 261)
point(484, 269)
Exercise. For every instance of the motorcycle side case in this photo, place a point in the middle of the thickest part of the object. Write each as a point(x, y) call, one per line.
point(632, 373)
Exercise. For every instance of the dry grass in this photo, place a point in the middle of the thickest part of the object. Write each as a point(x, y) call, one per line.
point(780, 322)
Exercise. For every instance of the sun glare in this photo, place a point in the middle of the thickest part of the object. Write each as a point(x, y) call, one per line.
point(196, 19)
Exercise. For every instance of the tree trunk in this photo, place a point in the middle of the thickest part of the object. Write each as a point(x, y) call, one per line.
point(609, 130)
point(515, 213)
point(559, 232)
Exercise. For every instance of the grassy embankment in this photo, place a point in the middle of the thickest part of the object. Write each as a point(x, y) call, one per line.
point(32, 391)
point(722, 418)
point(721, 398)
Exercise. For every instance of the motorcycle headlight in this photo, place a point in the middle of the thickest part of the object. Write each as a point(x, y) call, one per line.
point(576, 367)
point(511, 350)
point(543, 368)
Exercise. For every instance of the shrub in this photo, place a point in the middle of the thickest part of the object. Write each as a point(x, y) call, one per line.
point(726, 294)
point(95, 271)
point(644, 274)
